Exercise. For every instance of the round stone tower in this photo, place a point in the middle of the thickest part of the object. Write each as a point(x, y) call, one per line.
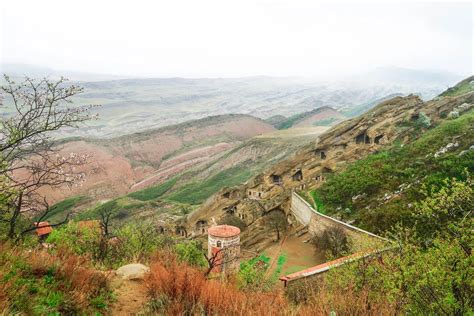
point(224, 247)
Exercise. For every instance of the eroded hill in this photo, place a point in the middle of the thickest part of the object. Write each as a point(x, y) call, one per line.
point(133, 162)
point(396, 121)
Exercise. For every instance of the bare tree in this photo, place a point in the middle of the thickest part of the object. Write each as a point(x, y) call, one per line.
point(29, 158)
point(106, 213)
point(277, 220)
point(220, 258)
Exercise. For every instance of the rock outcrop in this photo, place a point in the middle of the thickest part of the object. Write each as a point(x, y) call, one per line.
point(133, 271)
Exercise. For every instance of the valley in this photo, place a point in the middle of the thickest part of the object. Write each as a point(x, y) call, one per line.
point(139, 104)
point(305, 198)
point(234, 158)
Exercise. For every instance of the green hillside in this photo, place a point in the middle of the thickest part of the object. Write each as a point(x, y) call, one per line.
point(281, 122)
point(464, 86)
point(378, 191)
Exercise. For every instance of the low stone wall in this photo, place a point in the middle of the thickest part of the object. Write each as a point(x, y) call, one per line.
point(301, 209)
point(317, 222)
point(364, 243)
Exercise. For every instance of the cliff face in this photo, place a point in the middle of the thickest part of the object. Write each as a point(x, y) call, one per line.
point(397, 119)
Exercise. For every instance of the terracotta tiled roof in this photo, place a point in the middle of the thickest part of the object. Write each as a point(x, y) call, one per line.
point(43, 228)
point(223, 231)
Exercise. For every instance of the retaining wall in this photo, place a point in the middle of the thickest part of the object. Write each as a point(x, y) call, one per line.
point(317, 222)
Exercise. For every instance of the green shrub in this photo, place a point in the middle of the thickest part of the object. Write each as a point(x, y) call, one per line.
point(136, 242)
point(79, 240)
point(424, 120)
point(251, 275)
point(191, 252)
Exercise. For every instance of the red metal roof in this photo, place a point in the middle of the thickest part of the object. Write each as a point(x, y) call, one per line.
point(223, 231)
point(43, 228)
point(319, 268)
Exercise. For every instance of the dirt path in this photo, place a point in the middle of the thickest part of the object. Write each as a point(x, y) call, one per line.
point(299, 255)
point(131, 296)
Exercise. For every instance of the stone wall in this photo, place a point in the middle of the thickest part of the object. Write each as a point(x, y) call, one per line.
point(301, 209)
point(317, 222)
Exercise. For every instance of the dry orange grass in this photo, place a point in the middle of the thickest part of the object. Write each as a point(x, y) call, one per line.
point(182, 289)
point(185, 290)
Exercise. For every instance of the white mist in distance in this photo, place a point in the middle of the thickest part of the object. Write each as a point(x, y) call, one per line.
point(236, 38)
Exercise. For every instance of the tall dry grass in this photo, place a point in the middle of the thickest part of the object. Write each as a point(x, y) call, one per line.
point(178, 289)
point(184, 290)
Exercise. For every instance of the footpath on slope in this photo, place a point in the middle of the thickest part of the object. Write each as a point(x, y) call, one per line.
point(130, 290)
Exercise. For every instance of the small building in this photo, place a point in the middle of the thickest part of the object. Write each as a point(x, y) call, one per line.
point(298, 175)
point(362, 138)
point(200, 227)
point(43, 229)
point(181, 231)
point(224, 247)
point(321, 153)
point(276, 179)
point(255, 193)
point(320, 178)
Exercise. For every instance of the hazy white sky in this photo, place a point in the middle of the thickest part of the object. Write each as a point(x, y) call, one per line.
point(198, 38)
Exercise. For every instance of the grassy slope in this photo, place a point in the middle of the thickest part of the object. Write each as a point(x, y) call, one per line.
point(59, 210)
point(413, 165)
point(153, 192)
point(284, 123)
point(461, 88)
point(198, 192)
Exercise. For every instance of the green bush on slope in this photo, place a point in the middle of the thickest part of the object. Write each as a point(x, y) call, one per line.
point(198, 192)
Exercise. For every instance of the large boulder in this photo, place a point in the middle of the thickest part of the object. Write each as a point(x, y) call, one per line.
point(134, 271)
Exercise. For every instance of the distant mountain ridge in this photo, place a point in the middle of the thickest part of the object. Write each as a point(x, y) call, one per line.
point(21, 70)
point(411, 76)
point(137, 104)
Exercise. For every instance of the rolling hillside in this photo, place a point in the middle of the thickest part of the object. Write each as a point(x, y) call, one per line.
point(139, 104)
point(129, 163)
point(180, 194)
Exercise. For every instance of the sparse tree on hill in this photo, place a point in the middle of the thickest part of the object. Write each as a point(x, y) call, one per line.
point(29, 158)
point(277, 221)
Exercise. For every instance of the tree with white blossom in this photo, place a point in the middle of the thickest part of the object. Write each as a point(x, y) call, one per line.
point(29, 157)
